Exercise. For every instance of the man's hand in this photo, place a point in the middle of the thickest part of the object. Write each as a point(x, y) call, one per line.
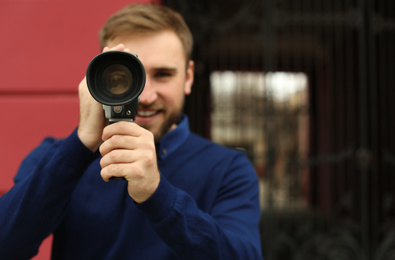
point(92, 119)
point(128, 151)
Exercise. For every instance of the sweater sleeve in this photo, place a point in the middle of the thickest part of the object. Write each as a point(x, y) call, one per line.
point(35, 205)
point(230, 231)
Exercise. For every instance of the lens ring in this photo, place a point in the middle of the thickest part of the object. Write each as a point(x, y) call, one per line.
point(112, 96)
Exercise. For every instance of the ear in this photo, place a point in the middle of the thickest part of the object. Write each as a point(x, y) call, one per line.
point(189, 78)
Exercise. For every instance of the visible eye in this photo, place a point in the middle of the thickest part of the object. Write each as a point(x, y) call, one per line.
point(163, 74)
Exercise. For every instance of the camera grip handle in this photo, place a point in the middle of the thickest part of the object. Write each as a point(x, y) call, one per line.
point(112, 121)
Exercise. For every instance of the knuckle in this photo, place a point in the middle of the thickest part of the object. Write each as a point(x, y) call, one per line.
point(138, 172)
point(123, 126)
point(115, 140)
point(148, 158)
point(113, 155)
point(149, 135)
point(109, 170)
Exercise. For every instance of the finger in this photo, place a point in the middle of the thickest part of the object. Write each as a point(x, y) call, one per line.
point(118, 156)
point(121, 128)
point(113, 170)
point(118, 142)
point(119, 47)
point(128, 171)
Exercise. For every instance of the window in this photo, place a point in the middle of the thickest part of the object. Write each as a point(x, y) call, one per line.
point(266, 115)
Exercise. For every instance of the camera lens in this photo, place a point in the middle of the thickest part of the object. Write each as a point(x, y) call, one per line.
point(117, 79)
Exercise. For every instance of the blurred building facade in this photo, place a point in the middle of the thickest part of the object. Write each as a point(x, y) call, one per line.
point(305, 88)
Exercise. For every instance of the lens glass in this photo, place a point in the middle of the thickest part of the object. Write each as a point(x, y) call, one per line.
point(117, 78)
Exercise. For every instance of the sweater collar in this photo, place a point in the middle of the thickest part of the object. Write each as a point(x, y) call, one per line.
point(174, 139)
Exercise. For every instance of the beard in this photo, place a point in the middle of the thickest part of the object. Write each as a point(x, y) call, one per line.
point(168, 124)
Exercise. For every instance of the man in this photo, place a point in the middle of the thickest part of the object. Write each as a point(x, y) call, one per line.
point(184, 197)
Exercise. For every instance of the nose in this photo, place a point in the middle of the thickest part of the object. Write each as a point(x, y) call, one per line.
point(148, 95)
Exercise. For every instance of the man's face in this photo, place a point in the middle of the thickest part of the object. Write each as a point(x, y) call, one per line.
point(167, 79)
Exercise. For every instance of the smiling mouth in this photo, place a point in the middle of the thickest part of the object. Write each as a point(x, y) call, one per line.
point(145, 113)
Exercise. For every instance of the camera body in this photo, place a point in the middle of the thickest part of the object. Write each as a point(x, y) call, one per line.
point(116, 80)
point(121, 113)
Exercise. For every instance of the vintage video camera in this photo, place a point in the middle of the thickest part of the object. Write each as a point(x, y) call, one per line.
point(116, 80)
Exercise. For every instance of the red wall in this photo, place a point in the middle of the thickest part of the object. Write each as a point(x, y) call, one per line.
point(45, 47)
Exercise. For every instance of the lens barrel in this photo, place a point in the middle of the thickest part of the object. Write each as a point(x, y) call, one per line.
point(115, 78)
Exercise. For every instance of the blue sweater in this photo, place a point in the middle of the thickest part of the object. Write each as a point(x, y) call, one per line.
point(206, 205)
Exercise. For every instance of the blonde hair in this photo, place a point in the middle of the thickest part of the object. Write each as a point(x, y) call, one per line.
point(146, 18)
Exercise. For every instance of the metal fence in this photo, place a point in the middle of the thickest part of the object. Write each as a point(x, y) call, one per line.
point(306, 88)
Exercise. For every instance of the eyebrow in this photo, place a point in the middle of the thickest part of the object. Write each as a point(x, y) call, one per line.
point(166, 68)
point(170, 70)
